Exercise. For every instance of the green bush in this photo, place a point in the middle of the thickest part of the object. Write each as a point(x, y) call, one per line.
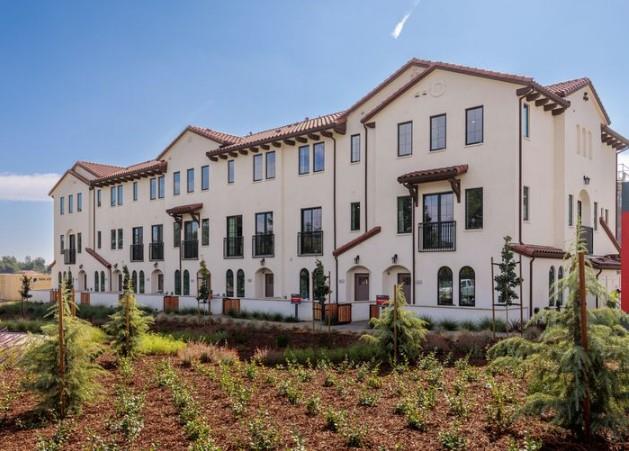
point(356, 353)
point(23, 325)
point(449, 325)
point(155, 344)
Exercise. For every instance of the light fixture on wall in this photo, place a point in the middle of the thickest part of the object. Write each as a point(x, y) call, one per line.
point(262, 262)
point(155, 265)
point(394, 258)
point(357, 259)
point(586, 180)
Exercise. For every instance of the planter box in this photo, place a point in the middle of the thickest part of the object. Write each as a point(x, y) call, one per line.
point(171, 304)
point(338, 313)
point(374, 311)
point(85, 298)
point(231, 305)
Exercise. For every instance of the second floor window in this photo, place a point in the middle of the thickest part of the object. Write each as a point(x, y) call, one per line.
point(318, 154)
point(120, 194)
point(112, 196)
point(176, 234)
point(474, 208)
point(311, 220)
point(355, 149)
point(595, 215)
point(257, 167)
point(70, 203)
point(230, 171)
point(264, 223)
point(79, 242)
point(153, 183)
point(99, 239)
point(120, 232)
point(304, 160)
point(61, 205)
point(404, 214)
point(526, 118)
point(161, 186)
point(157, 233)
point(79, 202)
point(205, 178)
point(62, 245)
point(404, 139)
point(570, 210)
point(113, 239)
point(135, 191)
point(355, 216)
point(205, 232)
point(98, 197)
point(176, 183)
point(190, 180)
point(438, 132)
point(270, 165)
point(525, 203)
point(474, 125)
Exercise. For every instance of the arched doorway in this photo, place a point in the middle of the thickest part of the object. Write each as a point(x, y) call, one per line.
point(358, 285)
point(117, 281)
point(264, 283)
point(157, 282)
point(395, 275)
point(584, 209)
point(82, 282)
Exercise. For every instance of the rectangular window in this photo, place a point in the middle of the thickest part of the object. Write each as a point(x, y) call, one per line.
point(135, 191)
point(304, 160)
point(70, 203)
point(112, 196)
point(176, 183)
point(474, 125)
point(230, 171)
point(570, 210)
point(525, 120)
point(120, 195)
point(355, 149)
point(264, 223)
point(205, 178)
point(190, 180)
point(404, 214)
point(153, 190)
point(157, 233)
point(474, 208)
point(137, 235)
point(404, 139)
point(62, 244)
point(98, 198)
point(61, 205)
point(595, 215)
point(99, 239)
point(234, 226)
point(79, 242)
point(205, 232)
point(120, 244)
point(113, 239)
point(257, 167)
point(270, 165)
point(438, 132)
point(525, 203)
point(79, 202)
point(311, 220)
point(176, 234)
point(318, 151)
point(161, 186)
point(354, 216)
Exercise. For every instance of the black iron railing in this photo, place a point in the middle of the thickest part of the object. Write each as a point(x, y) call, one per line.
point(137, 252)
point(156, 251)
point(263, 245)
point(232, 247)
point(190, 249)
point(437, 236)
point(310, 243)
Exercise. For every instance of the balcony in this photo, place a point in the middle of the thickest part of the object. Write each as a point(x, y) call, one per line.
point(156, 251)
point(310, 243)
point(232, 247)
point(437, 236)
point(263, 245)
point(190, 249)
point(69, 256)
point(587, 237)
point(137, 252)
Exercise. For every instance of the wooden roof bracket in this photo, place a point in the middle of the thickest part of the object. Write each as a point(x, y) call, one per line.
point(412, 190)
point(456, 187)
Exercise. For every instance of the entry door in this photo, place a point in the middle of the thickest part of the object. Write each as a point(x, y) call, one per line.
point(405, 278)
point(160, 283)
point(361, 287)
point(268, 285)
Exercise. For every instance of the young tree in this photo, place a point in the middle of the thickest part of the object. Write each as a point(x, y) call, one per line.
point(562, 373)
point(128, 324)
point(398, 333)
point(507, 281)
point(320, 282)
point(61, 365)
point(204, 291)
point(25, 291)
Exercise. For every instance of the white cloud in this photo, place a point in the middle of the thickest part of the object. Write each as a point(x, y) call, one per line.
point(26, 187)
point(400, 25)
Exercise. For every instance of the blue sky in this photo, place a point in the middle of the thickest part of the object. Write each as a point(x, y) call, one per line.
point(116, 81)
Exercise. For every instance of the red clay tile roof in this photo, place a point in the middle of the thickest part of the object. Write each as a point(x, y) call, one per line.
point(98, 257)
point(98, 169)
point(565, 88)
point(183, 209)
point(538, 251)
point(433, 175)
point(221, 137)
point(144, 169)
point(356, 241)
point(611, 261)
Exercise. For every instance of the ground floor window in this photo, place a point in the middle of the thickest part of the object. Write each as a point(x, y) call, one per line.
point(102, 281)
point(551, 286)
point(444, 284)
point(134, 281)
point(186, 283)
point(177, 282)
point(559, 287)
point(141, 282)
point(229, 283)
point(304, 284)
point(96, 284)
point(240, 283)
point(467, 287)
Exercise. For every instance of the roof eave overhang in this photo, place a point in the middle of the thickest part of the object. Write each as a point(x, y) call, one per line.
point(132, 175)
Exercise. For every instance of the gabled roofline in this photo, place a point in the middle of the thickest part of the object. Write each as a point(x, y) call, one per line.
point(577, 85)
point(72, 172)
point(198, 131)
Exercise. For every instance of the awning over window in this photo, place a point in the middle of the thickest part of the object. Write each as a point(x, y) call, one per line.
point(450, 173)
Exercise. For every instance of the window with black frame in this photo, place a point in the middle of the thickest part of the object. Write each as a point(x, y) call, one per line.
point(444, 286)
point(438, 230)
point(229, 283)
point(355, 216)
point(405, 139)
point(233, 246)
point(263, 240)
point(404, 214)
point(311, 235)
point(438, 132)
point(156, 251)
point(318, 156)
point(467, 287)
point(304, 160)
point(474, 125)
point(240, 283)
point(474, 208)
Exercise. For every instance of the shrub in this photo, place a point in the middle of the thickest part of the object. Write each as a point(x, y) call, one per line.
point(473, 344)
point(313, 406)
point(501, 410)
point(416, 419)
point(335, 419)
point(205, 353)
point(430, 324)
point(23, 325)
point(448, 325)
point(468, 325)
point(282, 341)
point(354, 435)
point(156, 344)
point(367, 399)
point(452, 439)
point(359, 352)
point(129, 419)
point(263, 434)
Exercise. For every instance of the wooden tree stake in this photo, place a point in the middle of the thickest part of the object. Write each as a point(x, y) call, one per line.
point(584, 342)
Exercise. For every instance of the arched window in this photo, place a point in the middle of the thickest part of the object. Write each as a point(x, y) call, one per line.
point(444, 286)
point(304, 283)
point(96, 284)
point(229, 283)
point(467, 287)
point(141, 282)
point(70, 281)
point(551, 286)
point(60, 283)
point(134, 282)
point(177, 282)
point(102, 281)
point(559, 287)
point(186, 283)
point(240, 283)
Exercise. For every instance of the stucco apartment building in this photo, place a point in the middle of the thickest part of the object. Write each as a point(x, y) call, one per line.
point(417, 182)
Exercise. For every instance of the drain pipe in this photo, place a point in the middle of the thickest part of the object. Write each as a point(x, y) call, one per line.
point(336, 258)
point(531, 286)
point(366, 146)
point(520, 168)
point(598, 274)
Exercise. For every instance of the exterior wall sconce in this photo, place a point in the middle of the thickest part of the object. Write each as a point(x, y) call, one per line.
point(586, 180)
point(394, 258)
point(262, 262)
point(357, 259)
point(155, 265)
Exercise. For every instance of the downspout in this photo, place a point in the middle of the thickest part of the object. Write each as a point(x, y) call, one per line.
point(413, 202)
point(598, 274)
point(336, 259)
point(366, 147)
point(531, 286)
point(520, 169)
